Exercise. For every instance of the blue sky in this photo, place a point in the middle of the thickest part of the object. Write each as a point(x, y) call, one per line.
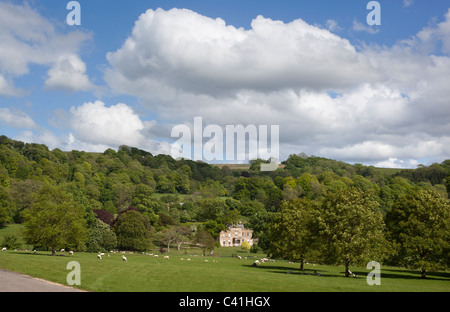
point(132, 70)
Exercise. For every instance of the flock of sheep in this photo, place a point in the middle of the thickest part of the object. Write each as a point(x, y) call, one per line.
point(101, 254)
point(255, 263)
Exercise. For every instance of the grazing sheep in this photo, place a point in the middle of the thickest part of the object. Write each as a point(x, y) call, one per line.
point(71, 252)
point(155, 256)
point(99, 256)
point(188, 259)
point(124, 258)
point(181, 259)
point(62, 250)
point(166, 257)
point(35, 251)
point(239, 257)
point(3, 249)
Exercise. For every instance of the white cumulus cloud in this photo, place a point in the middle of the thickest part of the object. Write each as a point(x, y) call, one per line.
point(95, 123)
point(330, 98)
point(28, 38)
point(69, 73)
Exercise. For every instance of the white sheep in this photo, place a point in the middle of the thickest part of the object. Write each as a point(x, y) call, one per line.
point(99, 256)
point(124, 258)
point(188, 259)
point(155, 256)
point(62, 250)
point(71, 252)
point(166, 257)
point(3, 249)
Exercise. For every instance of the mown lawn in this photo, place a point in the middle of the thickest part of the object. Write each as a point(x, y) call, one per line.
point(143, 273)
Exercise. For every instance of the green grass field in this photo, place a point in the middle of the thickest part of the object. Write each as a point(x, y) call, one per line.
point(143, 273)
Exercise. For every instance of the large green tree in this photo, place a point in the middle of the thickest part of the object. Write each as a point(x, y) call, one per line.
point(351, 228)
point(133, 231)
point(6, 206)
point(205, 240)
point(55, 220)
point(101, 237)
point(420, 223)
point(291, 232)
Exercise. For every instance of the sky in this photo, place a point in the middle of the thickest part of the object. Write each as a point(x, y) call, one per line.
point(134, 70)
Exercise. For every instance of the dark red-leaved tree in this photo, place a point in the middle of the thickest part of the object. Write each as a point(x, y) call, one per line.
point(104, 216)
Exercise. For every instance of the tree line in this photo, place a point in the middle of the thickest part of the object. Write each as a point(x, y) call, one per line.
point(131, 199)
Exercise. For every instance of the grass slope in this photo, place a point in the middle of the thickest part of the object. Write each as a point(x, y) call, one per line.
point(143, 273)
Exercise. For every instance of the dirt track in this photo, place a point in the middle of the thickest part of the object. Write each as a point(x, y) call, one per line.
point(15, 282)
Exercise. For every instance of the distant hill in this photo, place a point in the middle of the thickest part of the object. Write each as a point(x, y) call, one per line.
point(114, 180)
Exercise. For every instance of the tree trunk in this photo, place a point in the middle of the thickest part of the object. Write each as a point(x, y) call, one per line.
point(302, 265)
point(423, 274)
point(347, 271)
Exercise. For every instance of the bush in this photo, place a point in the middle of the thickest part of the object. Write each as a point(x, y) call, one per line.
point(10, 241)
point(101, 238)
point(254, 249)
point(246, 246)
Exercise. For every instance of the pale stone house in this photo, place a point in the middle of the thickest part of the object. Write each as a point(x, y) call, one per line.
point(235, 235)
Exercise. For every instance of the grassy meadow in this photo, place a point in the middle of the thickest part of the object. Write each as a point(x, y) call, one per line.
point(222, 273)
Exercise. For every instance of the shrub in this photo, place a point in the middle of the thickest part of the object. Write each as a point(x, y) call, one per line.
point(10, 241)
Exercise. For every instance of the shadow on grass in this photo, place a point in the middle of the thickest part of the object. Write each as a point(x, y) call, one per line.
point(38, 254)
point(385, 273)
point(295, 271)
point(407, 274)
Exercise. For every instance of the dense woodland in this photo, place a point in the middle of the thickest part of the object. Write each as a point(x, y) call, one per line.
point(176, 200)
